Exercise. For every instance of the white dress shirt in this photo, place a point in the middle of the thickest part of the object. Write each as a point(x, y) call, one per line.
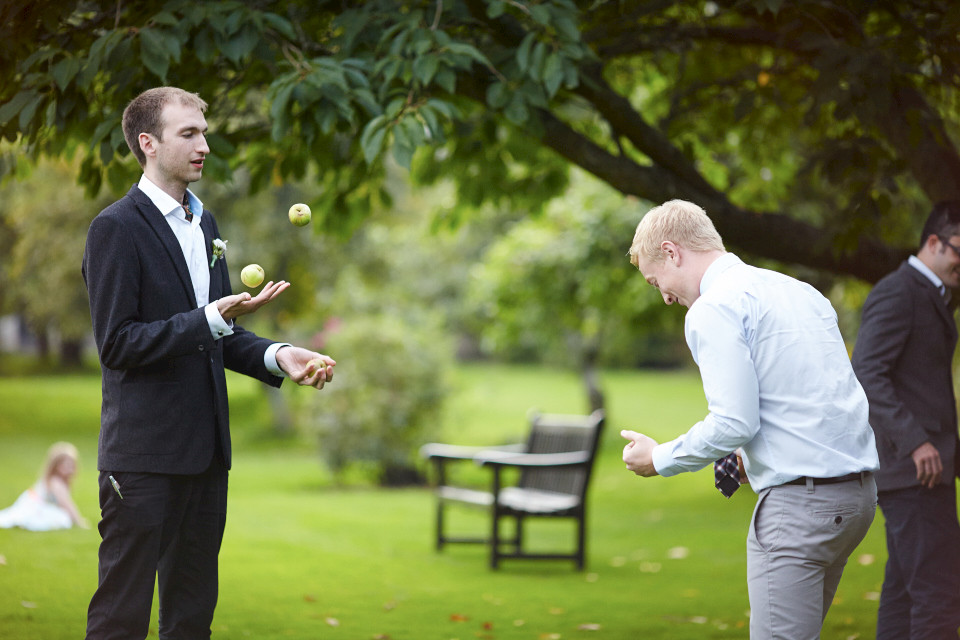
point(777, 378)
point(916, 263)
point(190, 237)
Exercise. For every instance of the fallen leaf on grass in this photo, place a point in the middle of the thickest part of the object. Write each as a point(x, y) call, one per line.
point(557, 611)
point(309, 597)
point(550, 636)
point(871, 595)
point(382, 636)
point(592, 577)
point(3, 560)
point(487, 626)
point(28, 605)
point(678, 553)
point(519, 623)
point(333, 622)
point(589, 626)
point(650, 567)
point(390, 606)
point(458, 617)
point(866, 559)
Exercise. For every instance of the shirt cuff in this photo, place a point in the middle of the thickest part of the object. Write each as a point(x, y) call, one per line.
point(218, 326)
point(270, 359)
point(662, 457)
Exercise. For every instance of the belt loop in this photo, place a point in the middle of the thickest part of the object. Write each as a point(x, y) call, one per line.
point(809, 484)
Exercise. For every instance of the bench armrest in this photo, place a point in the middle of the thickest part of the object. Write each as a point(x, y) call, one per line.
point(458, 452)
point(505, 459)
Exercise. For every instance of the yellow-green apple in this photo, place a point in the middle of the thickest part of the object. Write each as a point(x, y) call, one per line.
point(252, 275)
point(299, 214)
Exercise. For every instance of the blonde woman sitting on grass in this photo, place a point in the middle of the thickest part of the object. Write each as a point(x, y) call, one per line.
point(47, 505)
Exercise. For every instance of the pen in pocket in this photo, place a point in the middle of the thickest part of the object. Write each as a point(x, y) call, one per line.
point(116, 486)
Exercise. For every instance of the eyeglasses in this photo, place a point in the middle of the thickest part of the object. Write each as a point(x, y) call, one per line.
point(946, 241)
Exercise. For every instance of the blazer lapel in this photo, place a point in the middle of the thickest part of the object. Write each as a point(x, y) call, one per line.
point(216, 290)
point(165, 235)
point(943, 310)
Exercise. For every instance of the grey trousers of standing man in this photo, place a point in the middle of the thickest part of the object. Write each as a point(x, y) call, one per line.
point(799, 541)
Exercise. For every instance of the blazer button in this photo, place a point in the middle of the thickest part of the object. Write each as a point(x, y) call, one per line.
point(201, 347)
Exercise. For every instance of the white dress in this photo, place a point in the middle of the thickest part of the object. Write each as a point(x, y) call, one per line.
point(35, 510)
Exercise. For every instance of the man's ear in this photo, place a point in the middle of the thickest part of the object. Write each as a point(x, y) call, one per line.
point(670, 252)
point(147, 145)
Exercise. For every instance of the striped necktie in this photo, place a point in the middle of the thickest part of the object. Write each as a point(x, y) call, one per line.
point(726, 473)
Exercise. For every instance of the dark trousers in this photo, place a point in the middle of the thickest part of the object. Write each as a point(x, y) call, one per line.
point(166, 529)
point(920, 599)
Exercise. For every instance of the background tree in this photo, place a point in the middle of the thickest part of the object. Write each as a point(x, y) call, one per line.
point(45, 219)
point(815, 132)
point(557, 288)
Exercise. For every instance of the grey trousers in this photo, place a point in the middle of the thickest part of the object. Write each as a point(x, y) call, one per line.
point(799, 541)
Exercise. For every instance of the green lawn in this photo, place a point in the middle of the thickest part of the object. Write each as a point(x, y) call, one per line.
point(306, 558)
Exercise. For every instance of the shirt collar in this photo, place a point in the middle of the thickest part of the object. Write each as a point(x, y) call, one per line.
point(164, 202)
point(717, 267)
point(917, 264)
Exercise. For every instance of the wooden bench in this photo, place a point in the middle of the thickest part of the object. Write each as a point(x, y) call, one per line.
point(554, 466)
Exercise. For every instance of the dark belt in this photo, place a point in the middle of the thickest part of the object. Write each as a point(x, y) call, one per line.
point(847, 478)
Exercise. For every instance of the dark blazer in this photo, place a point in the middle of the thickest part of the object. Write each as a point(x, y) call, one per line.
point(904, 360)
point(164, 388)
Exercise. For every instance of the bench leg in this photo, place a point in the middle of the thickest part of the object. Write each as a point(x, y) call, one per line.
point(440, 538)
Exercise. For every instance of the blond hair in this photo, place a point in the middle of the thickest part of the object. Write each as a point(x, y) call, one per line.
point(144, 114)
point(57, 452)
point(683, 223)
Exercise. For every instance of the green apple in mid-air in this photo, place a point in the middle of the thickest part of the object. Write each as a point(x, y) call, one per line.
point(252, 275)
point(299, 214)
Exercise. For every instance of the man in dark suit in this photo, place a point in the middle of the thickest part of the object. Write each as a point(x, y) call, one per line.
point(904, 360)
point(163, 319)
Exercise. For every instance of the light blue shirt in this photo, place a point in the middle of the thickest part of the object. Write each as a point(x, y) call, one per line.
point(190, 237)
point(777, 378)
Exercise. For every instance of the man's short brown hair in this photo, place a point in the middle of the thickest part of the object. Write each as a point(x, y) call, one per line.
point(144, 114)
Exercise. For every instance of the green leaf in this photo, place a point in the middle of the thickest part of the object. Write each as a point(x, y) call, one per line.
point(403, 155)
point(64, 71)
point(495, 9)
point(240, 44)
point(517, 111)
point(12, 108)
point(535, 70)
point(553, 74)
point(153, 53)
point(497, 95)
point(279, 100)
point(29, 109)
point(567, 28)
point(280, 24)
point(203, 46)
point(394, 107)
point(541, 14)
point(166, 18)
point(425, 67)
point(447, 79)
point(523, 51)
point(371, 140)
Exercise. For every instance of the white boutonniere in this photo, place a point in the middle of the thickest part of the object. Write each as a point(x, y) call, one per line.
point(219, 248)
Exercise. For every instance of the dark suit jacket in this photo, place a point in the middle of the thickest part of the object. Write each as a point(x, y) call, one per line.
point(904, 360)
point(164, 388)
